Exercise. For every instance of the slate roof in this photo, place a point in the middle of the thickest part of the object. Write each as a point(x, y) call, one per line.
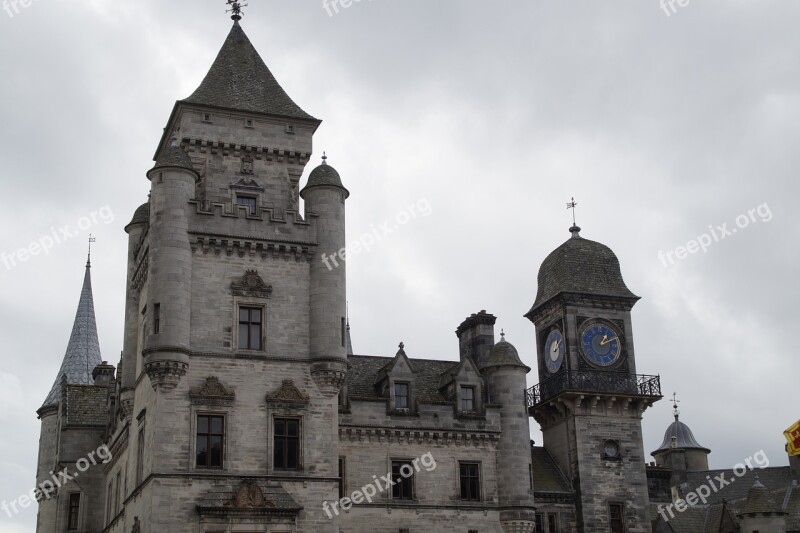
point(759, 501)
point(773, 478)
point(240, 80)
point(581, 266)
point(175, 157)
point(83, 349)
point(362, 370)
point(685, 438)
point(323, 175)
point(503, 353)
point(547, 477)
point(141, 215)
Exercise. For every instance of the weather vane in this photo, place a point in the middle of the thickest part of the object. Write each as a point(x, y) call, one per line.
point(89, 256)
point(572, 205)
point(675, 402)
point(236, 9)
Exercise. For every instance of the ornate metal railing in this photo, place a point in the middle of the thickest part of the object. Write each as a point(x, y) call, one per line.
point(594, 382)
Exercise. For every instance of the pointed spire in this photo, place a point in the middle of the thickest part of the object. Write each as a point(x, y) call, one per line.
point(83, 349)
point(347, 328)
point(240, 80)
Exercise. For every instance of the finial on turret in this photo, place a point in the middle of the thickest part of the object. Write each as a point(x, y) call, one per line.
point(575, 229)
point(235, 9)
point(502, 335)
point(324, 158)
point(675, 402)
point(401, 350)
point(89, 255)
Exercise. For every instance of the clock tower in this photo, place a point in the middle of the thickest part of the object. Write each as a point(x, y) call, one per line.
point(590, 400)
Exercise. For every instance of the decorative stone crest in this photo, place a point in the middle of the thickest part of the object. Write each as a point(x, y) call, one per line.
point(210, 392)
point(247, 165)
point(249, 496)
point(251, 285)
point(288, 393)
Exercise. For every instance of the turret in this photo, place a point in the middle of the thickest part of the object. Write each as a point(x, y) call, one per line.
point(167, 314)
point(130, 343)
point(325, 198)
point(680, 451)
point(505, 378)
point(476, 337)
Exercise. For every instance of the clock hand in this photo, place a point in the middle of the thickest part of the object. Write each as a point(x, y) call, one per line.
point(606, 340)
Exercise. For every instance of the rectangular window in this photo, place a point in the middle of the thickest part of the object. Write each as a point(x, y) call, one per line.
point(249, 201)
point(248, 123)
point(109, 500)
point(470, 481)
point(344, 332)
point(118, 493)
point(156, 318)
point(539, 523)
point(616, 518)
point(140, 457)
point(286, 453)
point(341, 478)
point(250, 323)
point(74, 511)
point(467, 399)
point(210, 436)
point(552, 523)
point(403, 476)
point(401, 396)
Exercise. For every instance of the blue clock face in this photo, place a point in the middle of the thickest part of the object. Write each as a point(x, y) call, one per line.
point(601, 344)
point(554, 351)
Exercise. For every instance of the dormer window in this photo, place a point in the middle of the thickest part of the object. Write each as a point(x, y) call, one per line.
point(467, 398)
point(401, 396)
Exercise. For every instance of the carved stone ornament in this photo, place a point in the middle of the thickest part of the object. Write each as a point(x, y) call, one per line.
point(247, 183)
point(212, 389)
point(249, 496)
point(288, 393)
point(251, 285)
point(165, 374)
point(247, 165)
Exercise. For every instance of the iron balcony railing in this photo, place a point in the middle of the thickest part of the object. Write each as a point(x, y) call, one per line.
point(594, 382)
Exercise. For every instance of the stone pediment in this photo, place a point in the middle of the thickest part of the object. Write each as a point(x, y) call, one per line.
point(288, 393)
point(211, 391)
point(248, 498)
point(251, 285)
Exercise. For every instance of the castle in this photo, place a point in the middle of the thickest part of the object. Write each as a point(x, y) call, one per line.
point(238, 404)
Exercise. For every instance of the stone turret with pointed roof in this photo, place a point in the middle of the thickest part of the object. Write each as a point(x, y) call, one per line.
point(83, 349)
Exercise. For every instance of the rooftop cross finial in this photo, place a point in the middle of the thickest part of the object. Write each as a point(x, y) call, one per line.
point(675, 402)
point(502, 334)
point(89, 255)
point(324, 158)
point(236, 9)
point(401, 345)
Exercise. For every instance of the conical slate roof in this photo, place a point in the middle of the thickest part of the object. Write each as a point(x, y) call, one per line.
point(581, 266)
point(239, 79)
point(684, 438)
point(83, 350)
point(760, 501)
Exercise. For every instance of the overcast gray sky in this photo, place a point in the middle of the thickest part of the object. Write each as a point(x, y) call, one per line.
point(495, 114)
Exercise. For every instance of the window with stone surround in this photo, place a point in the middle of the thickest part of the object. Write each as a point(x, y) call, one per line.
point(469, 474)
point(286, 444)
point(210, 438)
point(140, 455)
point(539, 523)
point(616, 516)
point(250, 327)
point(342, 470)
point(403, 477)
point(156, 318)
point(552, 523)
point(401, 395)
point(467, 398)
point(251, 202)
point(74, 513)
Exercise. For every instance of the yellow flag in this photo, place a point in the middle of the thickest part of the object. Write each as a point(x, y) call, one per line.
point(793, 436)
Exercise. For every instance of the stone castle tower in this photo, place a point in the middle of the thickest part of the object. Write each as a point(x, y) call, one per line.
point(590, 400)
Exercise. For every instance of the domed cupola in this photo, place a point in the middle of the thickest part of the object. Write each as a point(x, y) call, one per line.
point(581, 266)
point(504, 354)
point(324, 176)
point(679, 438)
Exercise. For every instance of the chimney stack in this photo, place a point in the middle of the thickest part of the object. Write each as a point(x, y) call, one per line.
point(476, 337)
